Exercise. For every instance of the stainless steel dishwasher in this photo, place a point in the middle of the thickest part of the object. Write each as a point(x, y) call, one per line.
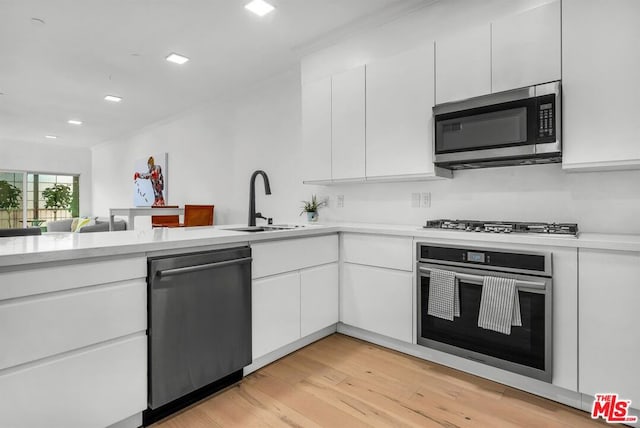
point(199, 326)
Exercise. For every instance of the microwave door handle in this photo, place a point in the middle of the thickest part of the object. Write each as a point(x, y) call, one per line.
point(478, 280)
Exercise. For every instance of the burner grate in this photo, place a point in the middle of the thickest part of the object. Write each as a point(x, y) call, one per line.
point(570, 229)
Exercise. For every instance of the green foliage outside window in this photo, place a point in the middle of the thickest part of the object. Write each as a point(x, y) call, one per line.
point(58, 197)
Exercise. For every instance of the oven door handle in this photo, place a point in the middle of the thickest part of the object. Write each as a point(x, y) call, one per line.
point(478, 279)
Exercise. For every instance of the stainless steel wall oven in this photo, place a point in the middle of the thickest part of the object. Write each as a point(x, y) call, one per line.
point(527, 349)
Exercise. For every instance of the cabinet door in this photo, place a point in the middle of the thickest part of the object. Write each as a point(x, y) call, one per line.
point(378, 300)
point(275, 312)
point(526, 48)
point(609, 322)
point(318, 298)
point(399, 116)
point(348, 138)
point(463, 65)
point(316, 129)
point(600, 84)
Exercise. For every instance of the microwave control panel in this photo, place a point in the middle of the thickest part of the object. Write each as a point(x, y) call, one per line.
point(546, 117)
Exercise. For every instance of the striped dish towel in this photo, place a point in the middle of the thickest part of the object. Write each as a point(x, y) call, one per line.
point(444, 299)
point(499, 305)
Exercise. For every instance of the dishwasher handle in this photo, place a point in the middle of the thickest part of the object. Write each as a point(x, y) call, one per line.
point(189, 269)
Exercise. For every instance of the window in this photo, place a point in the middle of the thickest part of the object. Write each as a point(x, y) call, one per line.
point(32, 204)
point(11, 193)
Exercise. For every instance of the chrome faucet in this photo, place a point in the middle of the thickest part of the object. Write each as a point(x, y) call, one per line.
point(252, 195)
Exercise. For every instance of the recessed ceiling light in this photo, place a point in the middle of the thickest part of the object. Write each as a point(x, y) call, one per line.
point(259, 7)
point(178, 59)
point(51, 137)
point(113, 98)
point(74, 122)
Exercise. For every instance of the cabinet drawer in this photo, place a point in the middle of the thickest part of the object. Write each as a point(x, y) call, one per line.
point(46, 325)
point(270, 258)
point(374, 250)
point(66, 276)
point(94, 388)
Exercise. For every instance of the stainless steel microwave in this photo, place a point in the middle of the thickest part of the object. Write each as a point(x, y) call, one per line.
point(518, 127)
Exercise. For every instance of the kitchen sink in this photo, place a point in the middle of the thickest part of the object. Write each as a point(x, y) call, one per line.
point(267, 228)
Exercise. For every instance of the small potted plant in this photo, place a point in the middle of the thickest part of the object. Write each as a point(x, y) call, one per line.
point(311, 208)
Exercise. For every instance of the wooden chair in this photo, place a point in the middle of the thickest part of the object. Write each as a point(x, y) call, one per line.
point(198, 215)
point(165, 220)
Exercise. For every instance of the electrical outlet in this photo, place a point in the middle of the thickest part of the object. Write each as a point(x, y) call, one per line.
point(415, 200)
point(340, 201)
point(426, 200)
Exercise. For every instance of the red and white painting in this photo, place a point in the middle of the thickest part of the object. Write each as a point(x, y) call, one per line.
point(150, 181)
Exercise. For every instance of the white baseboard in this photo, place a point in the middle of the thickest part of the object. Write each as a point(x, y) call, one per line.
point(133, 421)
point(285, 350)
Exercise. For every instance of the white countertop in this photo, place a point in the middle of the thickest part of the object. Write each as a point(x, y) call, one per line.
point(69, 246)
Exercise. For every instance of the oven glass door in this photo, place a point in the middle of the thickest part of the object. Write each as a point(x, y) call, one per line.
point(502, 125)
point(524, 346)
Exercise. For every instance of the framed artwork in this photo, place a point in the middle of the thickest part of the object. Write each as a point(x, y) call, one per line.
point(150, 181)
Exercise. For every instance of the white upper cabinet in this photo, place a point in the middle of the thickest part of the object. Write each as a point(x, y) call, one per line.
point(600, 84)
point(316, 129)
point(399, 100)
point(463, 65)
point(347, 124)
point(526, 48)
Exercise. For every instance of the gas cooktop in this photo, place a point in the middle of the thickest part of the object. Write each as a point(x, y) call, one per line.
point(570, 229)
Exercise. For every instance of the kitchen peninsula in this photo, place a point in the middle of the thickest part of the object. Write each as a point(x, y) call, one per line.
point(75, 304)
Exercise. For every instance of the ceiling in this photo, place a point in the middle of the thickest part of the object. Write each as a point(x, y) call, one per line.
point(58, 59)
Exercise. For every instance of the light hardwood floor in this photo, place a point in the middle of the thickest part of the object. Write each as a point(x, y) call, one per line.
point(340, 381)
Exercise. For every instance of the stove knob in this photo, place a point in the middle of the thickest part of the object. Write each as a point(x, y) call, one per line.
point(478, 229)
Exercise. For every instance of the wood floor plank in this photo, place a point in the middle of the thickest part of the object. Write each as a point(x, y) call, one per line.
point(340, 381)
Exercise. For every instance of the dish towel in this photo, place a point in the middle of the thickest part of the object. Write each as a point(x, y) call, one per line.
point(444, 295)
point(499, 305)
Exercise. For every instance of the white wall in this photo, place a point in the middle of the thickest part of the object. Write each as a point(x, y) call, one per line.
point(53, 159)
point(199, 166)
point(213, 151)
point(597, 201)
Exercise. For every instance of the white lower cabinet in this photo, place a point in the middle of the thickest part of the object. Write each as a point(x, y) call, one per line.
point(294, 290)
point(275, 312)
point(376, 288)
point(74, 344)
point(377, 299)
point(319, 290)
point(292, 305)
point(609, 322)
